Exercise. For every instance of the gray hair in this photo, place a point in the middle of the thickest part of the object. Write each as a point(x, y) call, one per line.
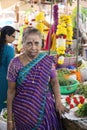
point(30, 30)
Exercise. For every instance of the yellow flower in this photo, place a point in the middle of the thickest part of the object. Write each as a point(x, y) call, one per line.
point(40, 27)
point(65, 28)
point(39, 20)
point(80, 105)
point(61, 60)
point(63, 52)
point(40, 17)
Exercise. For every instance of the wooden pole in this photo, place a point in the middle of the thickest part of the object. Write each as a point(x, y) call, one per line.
point(77, 41)
point(17, 13)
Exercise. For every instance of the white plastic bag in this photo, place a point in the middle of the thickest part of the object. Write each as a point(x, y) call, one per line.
point(83, 72)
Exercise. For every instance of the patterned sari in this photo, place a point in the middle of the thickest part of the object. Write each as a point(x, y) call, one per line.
point(33, 105)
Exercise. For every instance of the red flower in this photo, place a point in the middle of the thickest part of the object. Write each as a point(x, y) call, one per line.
point(68, 100)
point(75, 100)
point(82, 99)
point(74, 97)
point(71, 106)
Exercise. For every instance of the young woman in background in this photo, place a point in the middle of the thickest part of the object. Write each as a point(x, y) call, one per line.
point(7, 35)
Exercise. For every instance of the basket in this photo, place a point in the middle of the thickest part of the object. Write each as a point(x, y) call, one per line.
point(73, 125)
point(68, 61)
point(69, 88)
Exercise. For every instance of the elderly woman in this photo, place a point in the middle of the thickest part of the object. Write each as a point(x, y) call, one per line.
point(7, 35)
point(30, 103)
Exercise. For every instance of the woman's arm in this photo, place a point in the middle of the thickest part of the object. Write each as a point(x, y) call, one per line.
point(10, 97)
point(55, 84)
point(56, 90)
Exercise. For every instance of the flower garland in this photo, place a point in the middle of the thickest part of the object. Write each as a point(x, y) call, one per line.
point(69, 31)
point(39, 19)
point(55, 16)
point(65, 28)
point(64, 34)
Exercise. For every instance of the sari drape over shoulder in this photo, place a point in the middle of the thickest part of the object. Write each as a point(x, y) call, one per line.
point(33, 105)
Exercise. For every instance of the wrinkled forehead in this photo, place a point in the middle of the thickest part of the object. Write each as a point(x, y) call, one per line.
point(32, 37)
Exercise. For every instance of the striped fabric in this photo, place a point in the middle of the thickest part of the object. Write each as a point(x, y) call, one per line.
point(33, 105)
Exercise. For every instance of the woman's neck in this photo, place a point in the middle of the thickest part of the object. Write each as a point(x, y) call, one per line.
point(29, 57)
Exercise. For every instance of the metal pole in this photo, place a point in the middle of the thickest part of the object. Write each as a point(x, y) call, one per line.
point(77, 41)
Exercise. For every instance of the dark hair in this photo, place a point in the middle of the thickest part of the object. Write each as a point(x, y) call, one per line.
point(6, 30)
point(30, 30)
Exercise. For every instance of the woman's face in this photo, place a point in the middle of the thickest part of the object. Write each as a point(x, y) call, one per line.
point(32, 45)
point(11, 38)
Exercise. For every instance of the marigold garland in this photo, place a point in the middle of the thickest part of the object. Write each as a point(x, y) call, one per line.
point(65, 28)
point(64, 33)
point(39, 19)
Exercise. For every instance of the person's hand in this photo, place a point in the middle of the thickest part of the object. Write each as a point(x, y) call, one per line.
point(10, 126)
point(61, 108)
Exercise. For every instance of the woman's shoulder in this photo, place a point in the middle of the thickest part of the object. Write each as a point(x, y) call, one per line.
point(46, 54)
point(16, 61)
point(8, 48)
point(50, 56)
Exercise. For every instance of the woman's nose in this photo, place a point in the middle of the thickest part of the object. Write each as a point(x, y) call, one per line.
point(33, 46)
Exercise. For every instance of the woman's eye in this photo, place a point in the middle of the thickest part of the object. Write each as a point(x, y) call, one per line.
point(29, 43)
point(36, 43)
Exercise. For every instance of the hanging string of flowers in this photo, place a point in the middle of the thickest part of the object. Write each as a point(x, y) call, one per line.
point(69, 31)
point(39, 19)
point(55, 18)
point(64, 34)
point(41, 24)
point(65, 28)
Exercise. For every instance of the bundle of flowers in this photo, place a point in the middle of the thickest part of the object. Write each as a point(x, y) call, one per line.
point(75, 101)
